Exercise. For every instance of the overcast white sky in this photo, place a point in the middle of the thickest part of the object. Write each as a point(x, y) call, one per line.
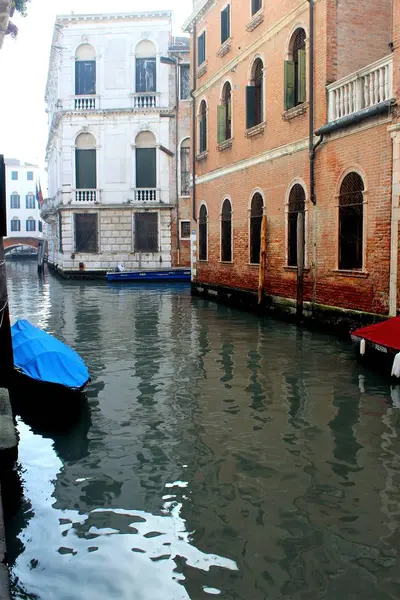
point(24, 63)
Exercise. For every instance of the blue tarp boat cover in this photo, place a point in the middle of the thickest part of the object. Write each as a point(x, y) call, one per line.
point(43, 358)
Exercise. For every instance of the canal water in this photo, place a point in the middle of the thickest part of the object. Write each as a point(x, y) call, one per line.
point(221, 454)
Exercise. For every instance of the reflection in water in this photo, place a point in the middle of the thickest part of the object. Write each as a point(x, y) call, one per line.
point(220, 454)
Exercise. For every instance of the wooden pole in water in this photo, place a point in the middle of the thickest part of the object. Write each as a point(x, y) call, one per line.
point(6, 352)
point(300, 265)
point(263, 259)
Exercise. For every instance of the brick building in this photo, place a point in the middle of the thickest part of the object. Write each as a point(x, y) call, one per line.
point(295, 122)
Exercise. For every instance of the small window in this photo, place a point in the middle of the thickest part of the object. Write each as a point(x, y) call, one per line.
point(29, 176)
point(351, 217)
point(296, 72)
point(40, 224)
point(226, 23)
point(146, 232)
point(14, 175)
point(226, 232)
point(184, 82)
point(185, 230)
point(30, 224)
point(15, 200)
point(225, 115)
point(203, 127)
point(203, 233)
point(256, 5)
point(185, 168)
point(30, 201)
point(15, 224)
point(146, 80)
point(256, 215)
point(254, 93)
point(201, 48)
point(86, 233)
point(297, 201)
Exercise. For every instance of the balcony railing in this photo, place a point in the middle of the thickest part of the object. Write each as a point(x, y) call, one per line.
point(362, 89)
point(86, 196)
point(86, 103)
point(146, 100)
point(147, 195)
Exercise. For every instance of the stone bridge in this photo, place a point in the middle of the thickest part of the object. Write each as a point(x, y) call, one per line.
point(14, 242)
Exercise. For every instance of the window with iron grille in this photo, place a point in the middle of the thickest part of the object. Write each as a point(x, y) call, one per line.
point(146, 232)
point(224, 115)
point(203, 233)
point(30, 224)
point(201, 48)
point(146, 80)
point(256, 215)
point(255, 6)
point(297, 203)
point(184, 82)
point(15, 224)
point(296, 71)
point(185, 230)
point(30, 201)
point(203, 127)
point(86, 232)
point(351, 217)
point(254, 96)
point(15, 200)
point(226, 231)
point(225, 23)
point(185, 168)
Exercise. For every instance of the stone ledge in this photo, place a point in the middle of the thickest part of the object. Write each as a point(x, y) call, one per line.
point(202, 70)
point(255, 21)
point(256, 130)
point(225, 48)
point(294, 112)
point(226, 145)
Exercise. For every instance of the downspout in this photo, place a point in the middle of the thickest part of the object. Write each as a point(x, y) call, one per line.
point(177, 161)
point(194, 124)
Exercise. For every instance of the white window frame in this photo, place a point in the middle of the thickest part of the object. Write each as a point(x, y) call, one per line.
point(180, 229)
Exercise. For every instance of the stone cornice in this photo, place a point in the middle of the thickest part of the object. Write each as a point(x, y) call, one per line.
point(202, 7)
point(134, 16)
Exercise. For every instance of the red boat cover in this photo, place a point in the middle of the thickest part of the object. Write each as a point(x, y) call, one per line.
point(385, 334)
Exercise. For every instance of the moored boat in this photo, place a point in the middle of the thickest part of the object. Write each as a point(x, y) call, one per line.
point(379, 345)
point(174, 274)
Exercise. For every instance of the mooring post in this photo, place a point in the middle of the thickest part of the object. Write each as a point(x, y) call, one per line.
point(6, 352)
point(300, 265)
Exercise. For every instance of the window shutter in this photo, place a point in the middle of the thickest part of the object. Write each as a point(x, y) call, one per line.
point(201, 48)
point(251, 106)
point(221, 123)
point(302, 76)
point(289, 84)
point(146, 169)
point(228, 21)
point(78, 71)
point(203, 134)
point(85, 169)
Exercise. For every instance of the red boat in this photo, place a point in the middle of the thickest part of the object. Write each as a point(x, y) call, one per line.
point(379, 344)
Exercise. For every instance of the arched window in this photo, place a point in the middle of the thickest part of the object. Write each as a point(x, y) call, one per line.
point(297, 204)
point(203, 233)
point(146, 69)
point(185, 167)
point(15, 224)
point(30, 224)
point(225, 114)
point(85, 70)
point(254, 95)
point(15, 200)
point(256, 215)
point(203, 127)
point(30, 200)
point(226, 231)
point(296, 71)
point(351, 216)
point(85, 162)
point(146, 166)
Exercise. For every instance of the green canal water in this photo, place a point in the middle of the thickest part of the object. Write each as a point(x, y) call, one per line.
point(221, 454)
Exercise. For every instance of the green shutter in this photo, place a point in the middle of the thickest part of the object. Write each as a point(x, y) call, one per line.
point(251, 106)
point(302, 77)
point(221, 114)
point(146, 168)
point(85, 169)
point(289, 84)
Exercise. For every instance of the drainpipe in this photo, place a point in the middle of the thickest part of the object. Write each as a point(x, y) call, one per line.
point(177, 161)
point(311, 107)
point(194, 124)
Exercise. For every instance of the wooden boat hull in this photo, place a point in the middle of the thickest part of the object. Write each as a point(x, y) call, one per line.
point(152, 275)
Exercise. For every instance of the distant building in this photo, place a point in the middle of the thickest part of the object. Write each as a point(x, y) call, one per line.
point(23, 213)
point(118, 149)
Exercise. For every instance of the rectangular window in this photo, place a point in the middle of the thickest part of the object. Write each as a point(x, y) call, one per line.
point(86, 233)
point(201, 48)
point(146, 80)
point(30, 201)
point(85, 77)
point(185, 171)
point(15, 225)
point(146, 168)
point(185, 230)
point(40, 226)
point(29, 176)
point(14, 175)
point(30, 224)
point(60, 233)
point(184, 82)
point(225, 24)
point(146, 232)
point(15, 201)
point(256, 5)
point(85, 169)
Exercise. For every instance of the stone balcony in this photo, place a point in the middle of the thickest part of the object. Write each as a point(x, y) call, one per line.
point(86, 103)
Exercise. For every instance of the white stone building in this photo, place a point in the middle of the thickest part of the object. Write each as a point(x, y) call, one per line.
point(114, 151)
point(23, 212)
